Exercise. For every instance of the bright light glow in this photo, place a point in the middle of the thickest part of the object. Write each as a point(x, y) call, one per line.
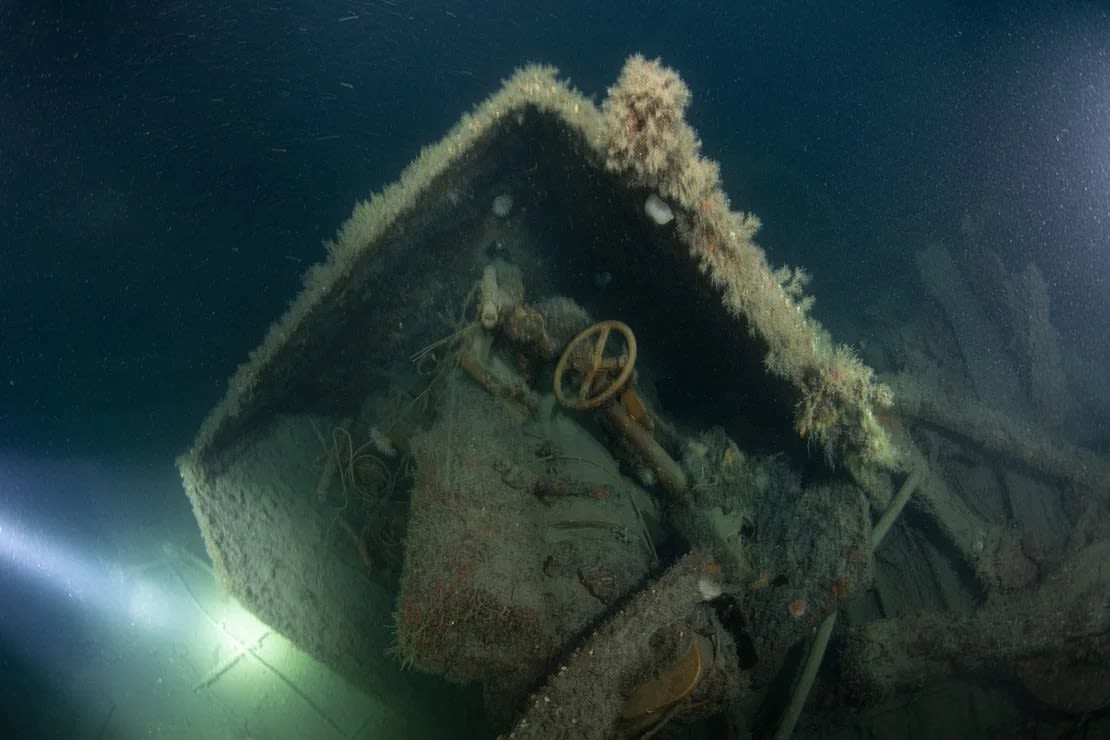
point(159, 596)
point(142, 601)
point(161, 622)
point(149, 607)
point(240, 627)
point(49, 563)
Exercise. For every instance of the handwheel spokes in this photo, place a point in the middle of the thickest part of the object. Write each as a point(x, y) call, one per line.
point(599, 347)
point(611, 374)
point(614, 363)
point(586, 386)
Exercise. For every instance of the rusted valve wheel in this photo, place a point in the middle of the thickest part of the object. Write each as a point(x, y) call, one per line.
point(600, 377)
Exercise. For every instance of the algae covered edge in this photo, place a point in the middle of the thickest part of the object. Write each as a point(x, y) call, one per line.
point(645, 137)
point(640, 134)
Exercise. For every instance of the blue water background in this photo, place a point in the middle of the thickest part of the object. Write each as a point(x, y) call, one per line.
point(169, 169)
